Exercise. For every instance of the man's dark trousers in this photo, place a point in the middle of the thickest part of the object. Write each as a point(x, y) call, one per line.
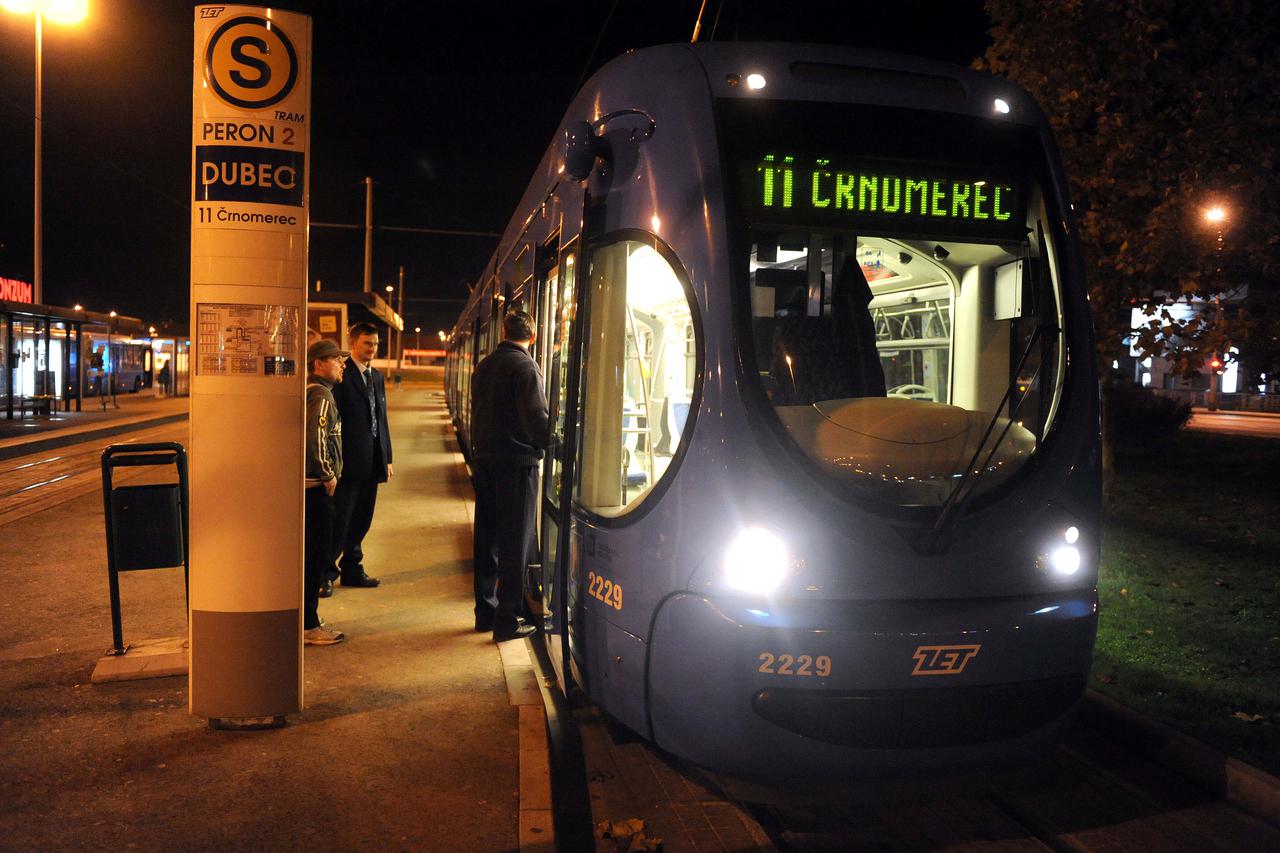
point(506, 497)
point(316, 543)
point(353, 505)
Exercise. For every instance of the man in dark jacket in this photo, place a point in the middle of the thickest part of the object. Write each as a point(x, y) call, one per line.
point(366, 456)
point(509, 430)
point(323, 472)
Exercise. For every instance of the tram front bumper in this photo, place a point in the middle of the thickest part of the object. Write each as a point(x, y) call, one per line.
point(865, 687)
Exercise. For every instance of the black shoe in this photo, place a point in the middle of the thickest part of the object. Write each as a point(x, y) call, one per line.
point(360, 580)
point(326, 588)
point(514, 634)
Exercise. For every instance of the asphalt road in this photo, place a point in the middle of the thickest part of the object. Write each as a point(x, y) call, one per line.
point(1237, 423)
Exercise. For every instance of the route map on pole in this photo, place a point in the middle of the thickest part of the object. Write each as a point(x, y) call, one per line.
point(246, 340)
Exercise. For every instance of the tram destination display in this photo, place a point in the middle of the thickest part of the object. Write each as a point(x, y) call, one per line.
point(904, 197)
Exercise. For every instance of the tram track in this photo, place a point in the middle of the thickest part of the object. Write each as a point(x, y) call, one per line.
point(43, 480)
point(1088, 794)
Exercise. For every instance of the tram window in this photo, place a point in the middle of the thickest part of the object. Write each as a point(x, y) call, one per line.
point(965, 332)
point(640, 329)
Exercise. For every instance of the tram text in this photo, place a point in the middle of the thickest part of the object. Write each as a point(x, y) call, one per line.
point(605, 590)
point(801, 665)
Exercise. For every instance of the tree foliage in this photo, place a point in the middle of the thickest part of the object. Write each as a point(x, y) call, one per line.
point(1163, 109)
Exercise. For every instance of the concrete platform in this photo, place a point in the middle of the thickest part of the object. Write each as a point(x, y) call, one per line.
point(146, 659)
point(409, 740)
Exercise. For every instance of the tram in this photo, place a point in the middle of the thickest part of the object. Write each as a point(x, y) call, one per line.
point(823, 495)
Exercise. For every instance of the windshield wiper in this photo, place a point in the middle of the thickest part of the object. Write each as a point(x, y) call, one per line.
point(952, 511)
point(939, 537)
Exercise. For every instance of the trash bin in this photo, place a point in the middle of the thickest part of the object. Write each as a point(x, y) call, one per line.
point(146, 525)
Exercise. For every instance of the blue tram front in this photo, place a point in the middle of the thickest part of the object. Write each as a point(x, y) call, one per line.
point(826, 407)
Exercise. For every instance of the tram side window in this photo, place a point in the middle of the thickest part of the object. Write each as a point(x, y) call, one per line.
point(640, 331)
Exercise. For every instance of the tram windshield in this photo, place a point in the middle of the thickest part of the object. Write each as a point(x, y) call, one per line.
point(904, 298)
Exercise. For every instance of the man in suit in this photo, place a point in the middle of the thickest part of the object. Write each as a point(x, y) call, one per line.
point(509, 430)
point(366, 455)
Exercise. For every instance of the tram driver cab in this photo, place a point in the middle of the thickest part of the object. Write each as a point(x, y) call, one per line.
point(894, 372)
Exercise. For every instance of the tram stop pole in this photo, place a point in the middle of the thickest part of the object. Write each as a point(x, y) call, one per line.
point(251, 118)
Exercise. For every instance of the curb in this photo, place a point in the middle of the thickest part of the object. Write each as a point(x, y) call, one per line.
point(1240, 784)
point(1200, 410)
point(35, 445)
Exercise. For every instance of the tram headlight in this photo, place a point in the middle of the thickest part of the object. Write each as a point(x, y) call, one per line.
point(1065, 556)
point(1066, 559)
point(756, 561)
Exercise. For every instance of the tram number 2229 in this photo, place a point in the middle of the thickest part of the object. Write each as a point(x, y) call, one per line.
point(605, 590)
point(784, 664)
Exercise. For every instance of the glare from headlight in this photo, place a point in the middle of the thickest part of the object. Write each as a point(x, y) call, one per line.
point(1066, 560)
point(756, 562)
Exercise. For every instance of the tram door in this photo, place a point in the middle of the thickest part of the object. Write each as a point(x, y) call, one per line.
point(557, 312)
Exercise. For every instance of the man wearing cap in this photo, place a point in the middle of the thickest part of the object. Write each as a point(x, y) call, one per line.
point(325, 362)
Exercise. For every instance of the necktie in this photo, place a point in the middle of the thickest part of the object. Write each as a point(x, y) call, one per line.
point(373, 408)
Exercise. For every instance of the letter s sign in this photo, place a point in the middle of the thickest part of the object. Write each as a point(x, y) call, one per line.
point(250, 63)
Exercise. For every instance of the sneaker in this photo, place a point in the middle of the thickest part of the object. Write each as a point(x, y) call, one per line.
point(321, 636)
point(516, 633)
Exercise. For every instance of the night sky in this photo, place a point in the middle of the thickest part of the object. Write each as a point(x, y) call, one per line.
point(447, 106)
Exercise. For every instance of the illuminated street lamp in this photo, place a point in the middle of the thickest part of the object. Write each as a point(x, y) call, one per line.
point(67, 12)
point(1216, 216)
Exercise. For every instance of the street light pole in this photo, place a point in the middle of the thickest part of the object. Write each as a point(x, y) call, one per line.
point(1216, 216)
point(72, 12)
point(400, 331)
point(37, 271)
point(368, 235)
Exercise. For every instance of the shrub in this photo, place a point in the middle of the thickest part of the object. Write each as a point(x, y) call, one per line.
point(1139, 417)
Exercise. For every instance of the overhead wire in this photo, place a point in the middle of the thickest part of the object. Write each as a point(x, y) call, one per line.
point(98, 157)
point(599, 38)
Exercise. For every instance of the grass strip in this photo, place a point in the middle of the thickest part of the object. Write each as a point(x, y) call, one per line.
point(1189, 632)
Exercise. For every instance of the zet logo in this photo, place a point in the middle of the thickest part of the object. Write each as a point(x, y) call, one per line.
point(943, 660)
point(250, 63)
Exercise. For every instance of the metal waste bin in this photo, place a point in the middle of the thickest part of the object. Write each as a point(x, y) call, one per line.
point(146, 525)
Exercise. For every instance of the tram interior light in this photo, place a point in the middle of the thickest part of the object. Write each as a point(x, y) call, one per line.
point(755, 562)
